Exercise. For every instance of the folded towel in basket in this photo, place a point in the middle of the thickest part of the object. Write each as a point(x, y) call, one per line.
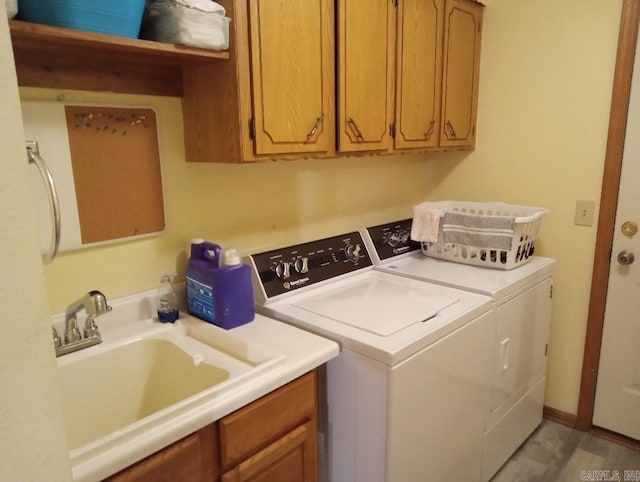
point(426, 222)
point(491, 232)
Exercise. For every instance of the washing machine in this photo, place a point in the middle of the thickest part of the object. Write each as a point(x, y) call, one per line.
point(405, 397)
point(522, 303)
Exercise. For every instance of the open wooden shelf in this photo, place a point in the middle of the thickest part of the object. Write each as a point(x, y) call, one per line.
point(56, 57)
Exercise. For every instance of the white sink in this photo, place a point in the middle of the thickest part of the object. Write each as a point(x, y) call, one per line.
point(147, 374)
point(117, 387)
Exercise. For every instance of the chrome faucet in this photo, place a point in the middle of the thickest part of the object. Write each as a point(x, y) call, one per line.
point(95, 304)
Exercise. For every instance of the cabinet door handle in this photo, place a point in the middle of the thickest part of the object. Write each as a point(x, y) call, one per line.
point(451, 130)
point(313, 130)
point(354, 126)
point(429, 133)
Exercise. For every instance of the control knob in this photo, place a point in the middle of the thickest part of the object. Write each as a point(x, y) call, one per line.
point(353, 252)
point(283, 270)
point(301, 265)
point(394, 239)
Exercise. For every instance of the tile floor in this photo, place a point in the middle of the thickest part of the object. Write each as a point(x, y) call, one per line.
point(556, 453)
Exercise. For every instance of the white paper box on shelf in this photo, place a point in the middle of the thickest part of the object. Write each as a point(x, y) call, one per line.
point(12, 8)
point(196, 23)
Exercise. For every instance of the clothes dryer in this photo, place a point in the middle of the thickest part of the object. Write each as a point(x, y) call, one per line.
point(521, 301)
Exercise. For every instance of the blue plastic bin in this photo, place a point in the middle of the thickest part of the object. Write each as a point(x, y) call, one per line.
point(114, 17)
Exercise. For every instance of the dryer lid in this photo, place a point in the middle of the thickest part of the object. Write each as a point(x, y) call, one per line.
point(379, 306)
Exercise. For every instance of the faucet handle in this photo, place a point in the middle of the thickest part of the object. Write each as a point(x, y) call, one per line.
point(91, 327)
point(57, 341)
point(72, 333)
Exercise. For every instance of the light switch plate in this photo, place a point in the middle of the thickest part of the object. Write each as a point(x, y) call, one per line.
point(584, 213)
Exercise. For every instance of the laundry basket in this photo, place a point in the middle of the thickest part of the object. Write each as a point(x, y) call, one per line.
point(527, 220)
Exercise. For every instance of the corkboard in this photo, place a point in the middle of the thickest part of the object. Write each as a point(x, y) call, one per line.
point(116, 170)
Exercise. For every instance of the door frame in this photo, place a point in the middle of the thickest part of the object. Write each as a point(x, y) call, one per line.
point(627, 39)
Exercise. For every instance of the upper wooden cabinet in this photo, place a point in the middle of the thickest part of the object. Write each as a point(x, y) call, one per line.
point(461, 58)
point(276, 96)
point(407, 74)
point(292, 71)
point(366, 30)
point(418, 73)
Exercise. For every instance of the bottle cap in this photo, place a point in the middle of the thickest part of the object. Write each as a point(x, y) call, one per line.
point(197, 240)
point(232, 257)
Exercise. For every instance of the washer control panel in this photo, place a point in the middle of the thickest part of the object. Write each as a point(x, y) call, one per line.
point(392, 239)
point(287, 269)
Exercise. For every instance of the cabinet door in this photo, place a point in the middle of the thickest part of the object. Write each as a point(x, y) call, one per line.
point(194, 458)
point(291, 458)
point(292, 58)
point(366, 43)
point(250, 428)
point(461, 68)
point(419, 73)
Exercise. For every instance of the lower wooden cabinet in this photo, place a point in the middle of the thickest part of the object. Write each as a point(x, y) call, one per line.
point(191, 459)
point(289, 459)
point(270, 440)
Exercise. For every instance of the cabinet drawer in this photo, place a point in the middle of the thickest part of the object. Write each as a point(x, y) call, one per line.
point(253, 427)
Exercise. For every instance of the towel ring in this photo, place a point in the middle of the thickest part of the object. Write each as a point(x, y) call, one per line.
point(54, 203)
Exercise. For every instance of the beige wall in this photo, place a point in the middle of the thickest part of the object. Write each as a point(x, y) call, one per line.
point(255, 207)
point(545, 89)
point(32, 441)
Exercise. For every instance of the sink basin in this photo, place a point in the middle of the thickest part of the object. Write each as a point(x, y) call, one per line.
point(109, 391)
point(147, 376)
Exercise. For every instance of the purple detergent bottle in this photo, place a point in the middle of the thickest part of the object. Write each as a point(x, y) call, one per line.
point(200, 279)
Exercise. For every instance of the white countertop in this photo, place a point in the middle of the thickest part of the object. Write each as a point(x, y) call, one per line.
point(302, 351)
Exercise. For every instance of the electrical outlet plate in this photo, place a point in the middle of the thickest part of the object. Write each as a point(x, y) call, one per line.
point(584, 213)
